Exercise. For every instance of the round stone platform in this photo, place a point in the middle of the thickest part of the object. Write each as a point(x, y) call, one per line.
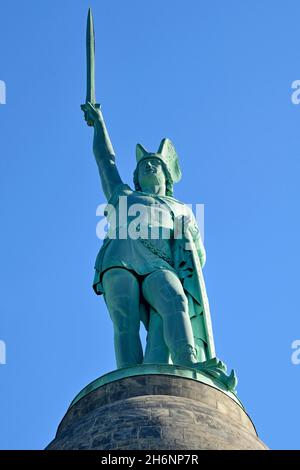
point(153, 412)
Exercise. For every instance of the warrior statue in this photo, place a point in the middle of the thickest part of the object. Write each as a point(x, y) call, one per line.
point(152, 273)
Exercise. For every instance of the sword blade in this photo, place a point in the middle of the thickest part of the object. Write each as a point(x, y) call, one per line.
point(90, 59)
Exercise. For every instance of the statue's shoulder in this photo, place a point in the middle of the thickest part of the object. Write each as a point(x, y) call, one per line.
point(122, 189)
point(181, 207)
point(173, 200)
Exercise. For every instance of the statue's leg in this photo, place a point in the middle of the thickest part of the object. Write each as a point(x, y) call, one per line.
point(157, 351)
point(164, 292)
point(122, 293)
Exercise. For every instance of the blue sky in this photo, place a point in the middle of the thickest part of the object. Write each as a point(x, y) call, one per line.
point(215, 77)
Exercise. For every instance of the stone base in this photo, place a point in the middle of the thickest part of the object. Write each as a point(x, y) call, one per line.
point(154, 412)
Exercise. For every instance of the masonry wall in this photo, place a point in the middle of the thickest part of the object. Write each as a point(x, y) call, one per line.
point(155, 412)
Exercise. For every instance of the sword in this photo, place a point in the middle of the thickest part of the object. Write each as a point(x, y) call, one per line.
point(90, 67)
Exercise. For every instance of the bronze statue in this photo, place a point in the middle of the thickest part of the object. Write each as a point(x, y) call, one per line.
point(149, 267)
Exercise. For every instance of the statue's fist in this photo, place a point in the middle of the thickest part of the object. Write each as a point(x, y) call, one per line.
point(92, 113)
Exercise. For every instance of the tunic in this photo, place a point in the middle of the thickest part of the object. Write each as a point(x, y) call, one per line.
point(140, 235)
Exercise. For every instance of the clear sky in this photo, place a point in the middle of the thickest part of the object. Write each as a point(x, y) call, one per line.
point(215, 77)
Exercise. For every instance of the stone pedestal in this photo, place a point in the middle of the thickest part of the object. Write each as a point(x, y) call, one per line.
point(153, 412)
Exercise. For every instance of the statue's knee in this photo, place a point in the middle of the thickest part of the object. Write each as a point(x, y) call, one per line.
point(178, 303)
point(125, 324)
point(172, 292)
point(124, 315)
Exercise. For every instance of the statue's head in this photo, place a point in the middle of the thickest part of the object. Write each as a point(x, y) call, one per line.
point(160, 168)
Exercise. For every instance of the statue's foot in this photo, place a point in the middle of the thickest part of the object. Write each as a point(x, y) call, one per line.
point(214, 363)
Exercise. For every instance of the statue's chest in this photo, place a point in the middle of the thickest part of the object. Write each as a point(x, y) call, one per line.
point(146, 209)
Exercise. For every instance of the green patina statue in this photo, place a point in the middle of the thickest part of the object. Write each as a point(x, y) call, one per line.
point(149, 267)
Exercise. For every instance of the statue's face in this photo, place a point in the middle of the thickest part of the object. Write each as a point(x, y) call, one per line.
point(151, 172)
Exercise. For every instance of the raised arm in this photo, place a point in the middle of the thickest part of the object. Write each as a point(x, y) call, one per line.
point(103, 151)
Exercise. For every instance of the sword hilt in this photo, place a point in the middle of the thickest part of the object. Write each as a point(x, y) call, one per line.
point(85, 110)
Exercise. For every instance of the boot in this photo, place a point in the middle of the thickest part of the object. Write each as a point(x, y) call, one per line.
point(185, 356)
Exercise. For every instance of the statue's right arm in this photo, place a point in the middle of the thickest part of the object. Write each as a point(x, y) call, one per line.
point(104, 153)
point(105, 158)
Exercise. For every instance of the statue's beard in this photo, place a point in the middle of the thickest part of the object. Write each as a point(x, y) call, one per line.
point(152, 179)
